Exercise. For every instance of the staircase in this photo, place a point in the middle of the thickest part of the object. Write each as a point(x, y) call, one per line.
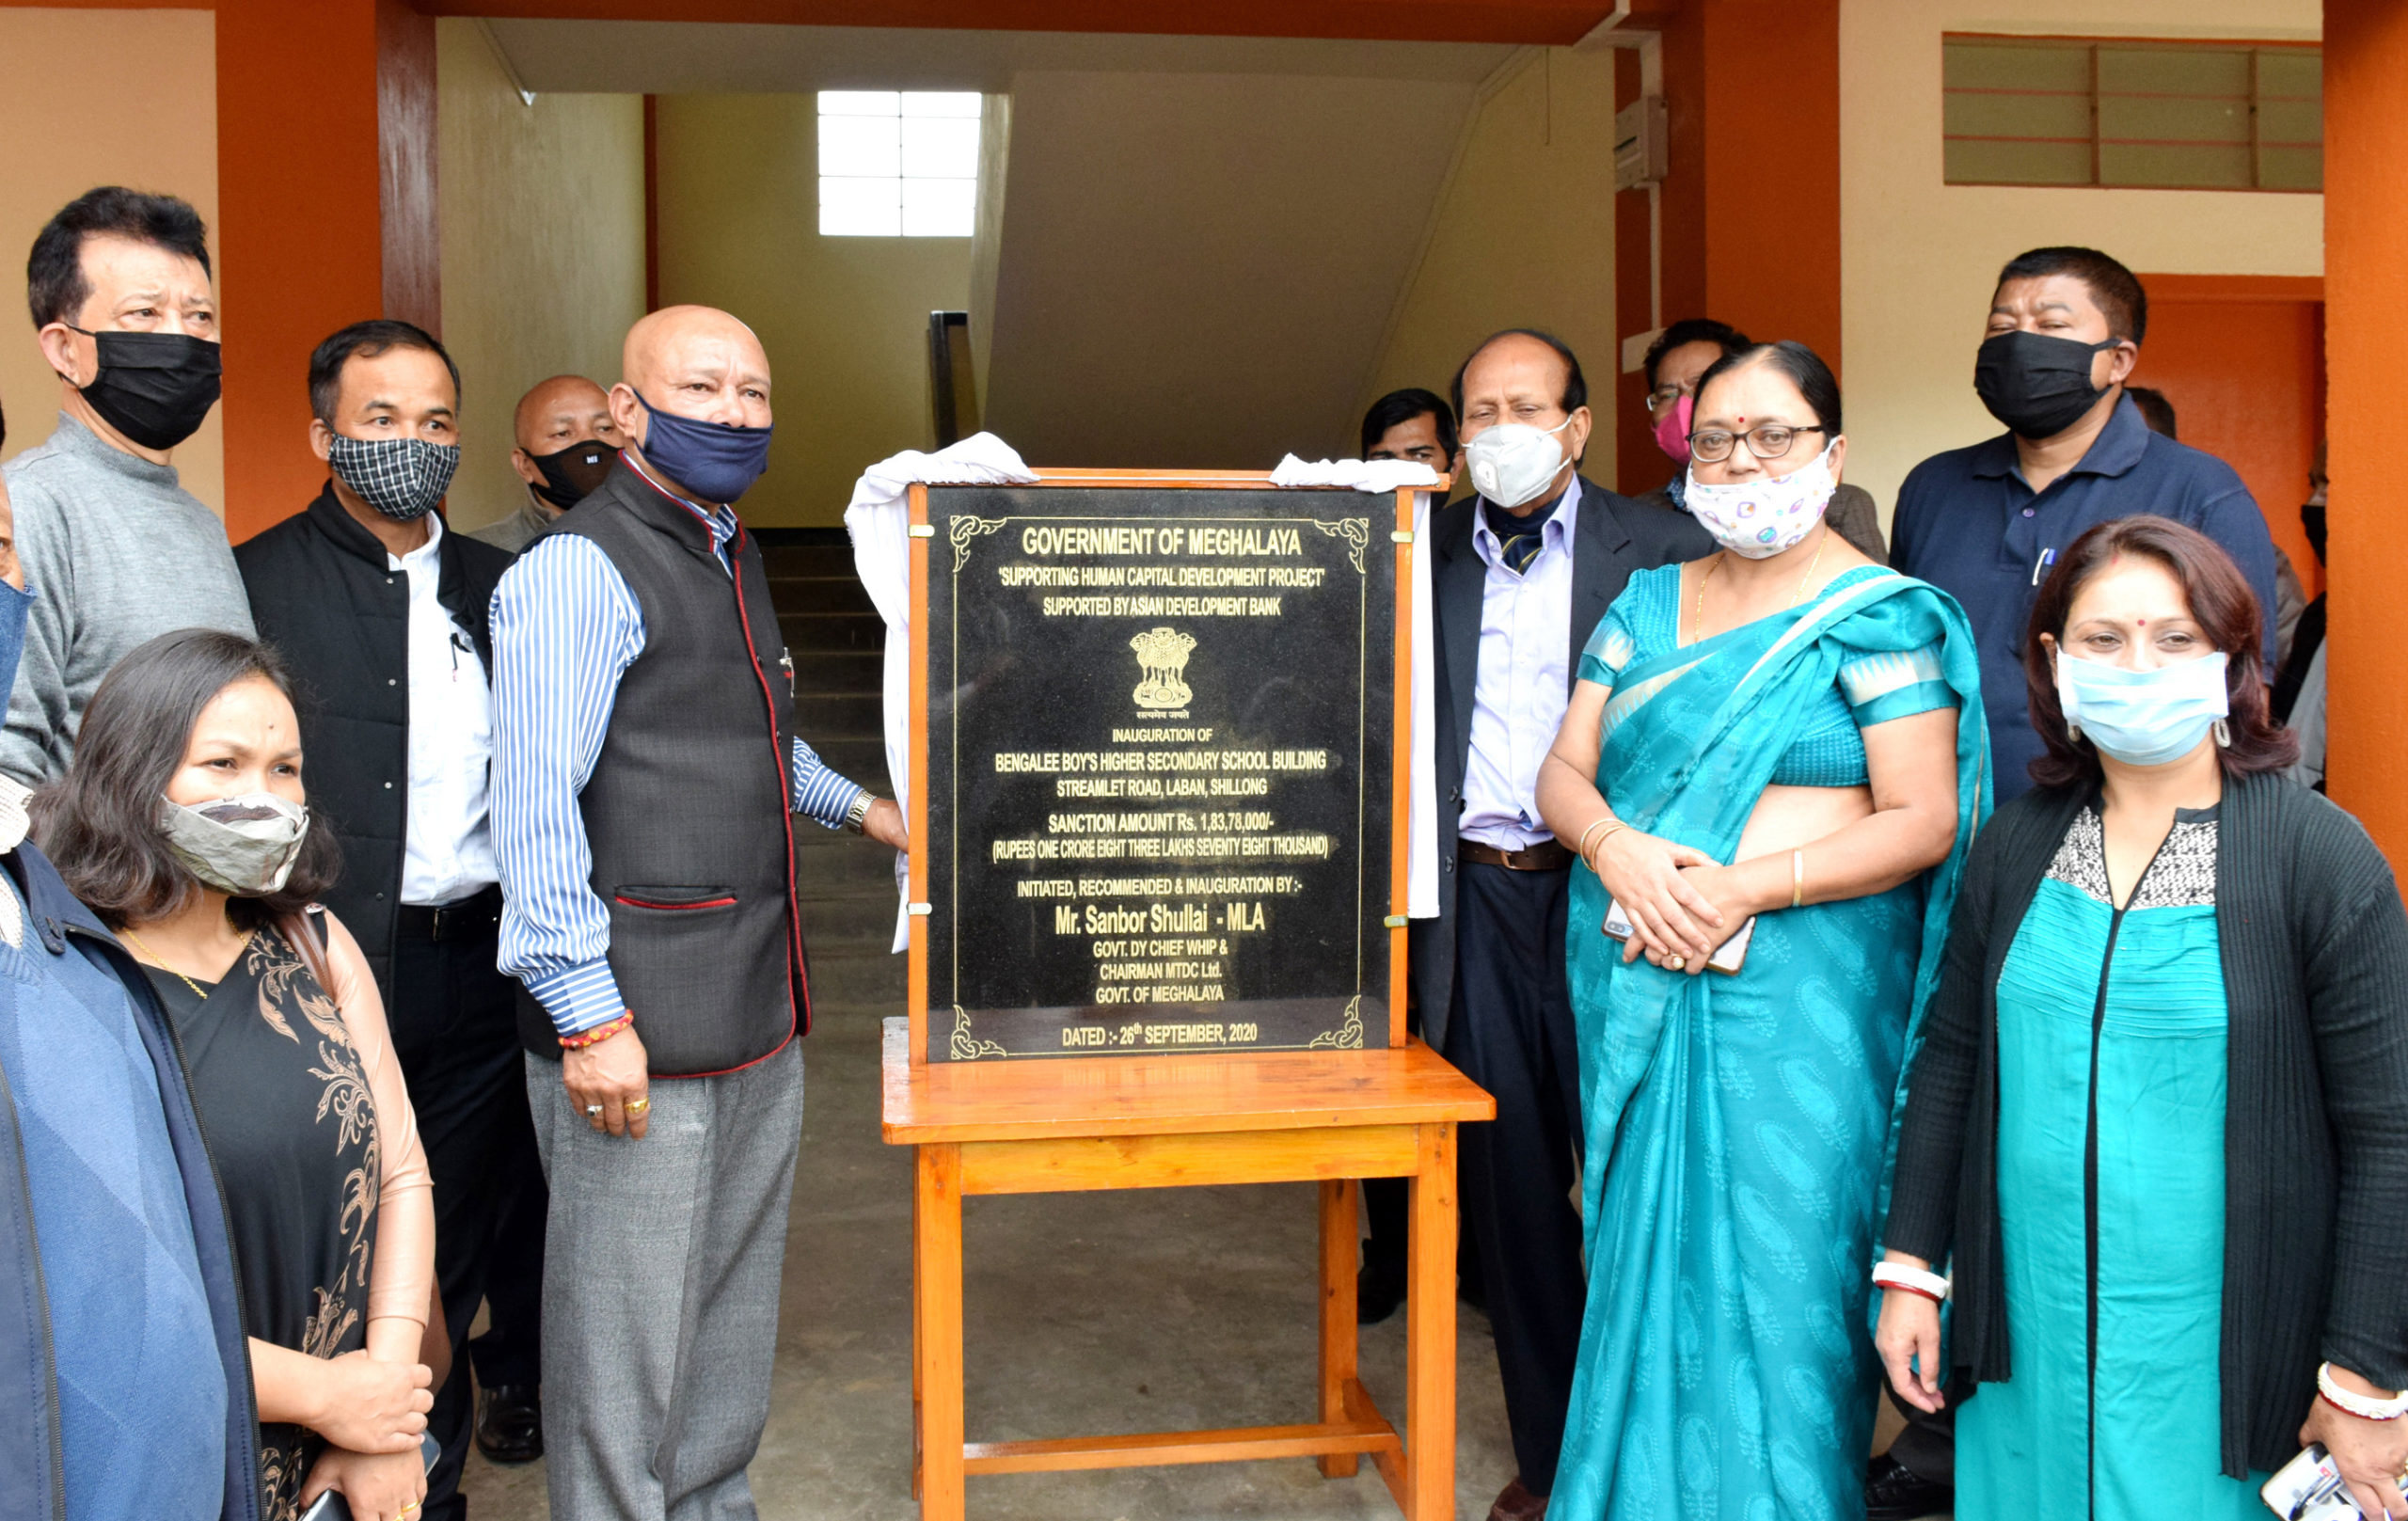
point(846, 884)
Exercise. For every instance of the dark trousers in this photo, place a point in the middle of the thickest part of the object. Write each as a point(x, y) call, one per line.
point(511, 1351)
point(1384, 1201)
point(454, 1024)
point(1509, 1030)
point(1927, 1448)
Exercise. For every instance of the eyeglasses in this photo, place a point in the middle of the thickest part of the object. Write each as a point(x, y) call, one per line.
point(1664, 396)
point(1770, 440)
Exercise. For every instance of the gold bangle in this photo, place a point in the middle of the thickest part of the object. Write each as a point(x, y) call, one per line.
point(1614, 827)
point(1797, 878)
point(1582, 849)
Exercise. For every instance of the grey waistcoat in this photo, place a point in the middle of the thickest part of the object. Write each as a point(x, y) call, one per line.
point(687, 807)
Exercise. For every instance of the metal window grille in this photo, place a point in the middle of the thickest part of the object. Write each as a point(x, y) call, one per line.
point(2134, 115)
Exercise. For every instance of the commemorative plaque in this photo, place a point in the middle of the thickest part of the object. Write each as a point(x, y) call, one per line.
point(1161, 768)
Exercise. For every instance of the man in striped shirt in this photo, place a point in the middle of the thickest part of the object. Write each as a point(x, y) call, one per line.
point(646, 772)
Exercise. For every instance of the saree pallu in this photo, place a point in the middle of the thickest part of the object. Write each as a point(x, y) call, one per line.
point(1739, 1129)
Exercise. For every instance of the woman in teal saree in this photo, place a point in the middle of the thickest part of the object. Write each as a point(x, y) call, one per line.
point(1814, 720)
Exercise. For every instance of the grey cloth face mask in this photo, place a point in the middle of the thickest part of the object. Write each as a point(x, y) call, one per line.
point(245, 845)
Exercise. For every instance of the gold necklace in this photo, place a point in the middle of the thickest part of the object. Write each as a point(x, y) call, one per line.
point(1697, 618)
point(197, 992)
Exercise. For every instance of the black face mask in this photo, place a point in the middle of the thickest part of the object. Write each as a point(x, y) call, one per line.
point(153, 387)
point(570, 474)
point(2036, 383)
point(2311, 518)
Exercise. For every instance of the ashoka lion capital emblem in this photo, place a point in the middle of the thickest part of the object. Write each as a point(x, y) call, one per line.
point(1162, 653)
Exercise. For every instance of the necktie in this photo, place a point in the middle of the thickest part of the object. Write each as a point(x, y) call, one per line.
point(1519, 550)
point(1522, 537)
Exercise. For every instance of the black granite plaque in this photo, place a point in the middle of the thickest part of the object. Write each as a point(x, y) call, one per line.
point(1161, 737)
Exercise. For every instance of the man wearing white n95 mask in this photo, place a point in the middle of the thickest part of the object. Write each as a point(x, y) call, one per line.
point(1522, 573)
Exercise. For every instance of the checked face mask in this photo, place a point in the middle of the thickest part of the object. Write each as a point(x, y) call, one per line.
point(402, 478)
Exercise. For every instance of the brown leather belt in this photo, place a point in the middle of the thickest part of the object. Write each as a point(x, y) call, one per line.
point(1548, 855)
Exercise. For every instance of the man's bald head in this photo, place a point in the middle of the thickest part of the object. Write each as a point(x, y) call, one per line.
point(696, 362)
point(557, 415)
point(560, 411)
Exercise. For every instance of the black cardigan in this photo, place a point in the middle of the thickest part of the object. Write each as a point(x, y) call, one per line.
point(2315, 951)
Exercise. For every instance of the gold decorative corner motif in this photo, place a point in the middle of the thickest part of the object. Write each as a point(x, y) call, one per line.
point(1349, 1034)
point(966, 1047)
point(964, 528)
point(1356, 532)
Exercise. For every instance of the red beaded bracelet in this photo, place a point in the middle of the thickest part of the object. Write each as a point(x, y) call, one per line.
point(598, 1034)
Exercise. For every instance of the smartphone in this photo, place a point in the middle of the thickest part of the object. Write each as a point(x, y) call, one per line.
point(2309, 1488)
point(331, 1506)
point(1727, 958)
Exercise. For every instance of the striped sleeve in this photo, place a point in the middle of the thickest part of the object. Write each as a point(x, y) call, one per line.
point(820, 791)
point(566, 627)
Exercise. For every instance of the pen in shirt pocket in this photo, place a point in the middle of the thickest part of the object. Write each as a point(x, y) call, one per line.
point(2047, 558)
point(459, 643)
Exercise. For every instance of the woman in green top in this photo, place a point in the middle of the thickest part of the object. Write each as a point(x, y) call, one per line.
point(2158, 1115)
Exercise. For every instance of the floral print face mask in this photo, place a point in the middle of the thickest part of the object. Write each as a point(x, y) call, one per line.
point(1760, 518)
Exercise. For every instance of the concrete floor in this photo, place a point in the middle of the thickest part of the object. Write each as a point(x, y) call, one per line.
point(1086, 1314)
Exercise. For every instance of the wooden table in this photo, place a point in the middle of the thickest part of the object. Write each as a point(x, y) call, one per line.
point(1099, 1123)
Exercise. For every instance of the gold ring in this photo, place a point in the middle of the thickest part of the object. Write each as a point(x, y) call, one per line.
point(1674, 963)
point(406, 1509)
point(637, 1106)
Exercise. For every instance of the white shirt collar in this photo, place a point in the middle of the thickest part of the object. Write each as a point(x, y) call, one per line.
point(425, 555)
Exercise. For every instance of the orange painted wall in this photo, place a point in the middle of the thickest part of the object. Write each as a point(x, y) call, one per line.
point(1751, 200)
point(2241, 358)
point(2366, 227)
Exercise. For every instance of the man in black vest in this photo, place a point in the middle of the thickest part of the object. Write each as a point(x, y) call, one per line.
point(380, 611)
point(647, 771)
point(1523, 572)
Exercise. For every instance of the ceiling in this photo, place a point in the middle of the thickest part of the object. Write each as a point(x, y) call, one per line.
point(1558, 22)
point(683, 58)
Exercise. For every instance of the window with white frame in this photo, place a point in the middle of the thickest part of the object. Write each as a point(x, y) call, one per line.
point(897, 164)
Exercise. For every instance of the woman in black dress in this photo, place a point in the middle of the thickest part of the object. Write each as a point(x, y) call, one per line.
point(182, 823)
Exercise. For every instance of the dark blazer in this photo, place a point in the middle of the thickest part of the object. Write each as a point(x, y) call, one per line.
point(323, 594)
point(1613, 536)
point(2314, 948)
point(58, 925)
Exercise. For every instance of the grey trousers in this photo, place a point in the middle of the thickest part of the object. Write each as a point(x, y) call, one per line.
point(662, 1262)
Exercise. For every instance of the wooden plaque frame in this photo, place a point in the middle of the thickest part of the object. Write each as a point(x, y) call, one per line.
point(922, 533)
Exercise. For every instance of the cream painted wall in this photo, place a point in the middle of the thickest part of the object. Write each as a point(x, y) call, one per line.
point(1196, 270)
point(543, 248)
point(158, 132)
point(1918, 256)
point(845, 320)
point(1523, 236)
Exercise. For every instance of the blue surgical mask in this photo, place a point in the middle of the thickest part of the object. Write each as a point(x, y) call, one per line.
point(716, 462)
point(2143, 717)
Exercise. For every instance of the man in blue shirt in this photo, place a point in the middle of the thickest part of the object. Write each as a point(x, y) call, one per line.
point(1986, 523)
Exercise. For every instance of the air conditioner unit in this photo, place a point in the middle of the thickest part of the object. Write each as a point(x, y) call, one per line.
point(1639, 149)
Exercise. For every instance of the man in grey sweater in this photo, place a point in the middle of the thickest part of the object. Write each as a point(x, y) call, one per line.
point(113, 546)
